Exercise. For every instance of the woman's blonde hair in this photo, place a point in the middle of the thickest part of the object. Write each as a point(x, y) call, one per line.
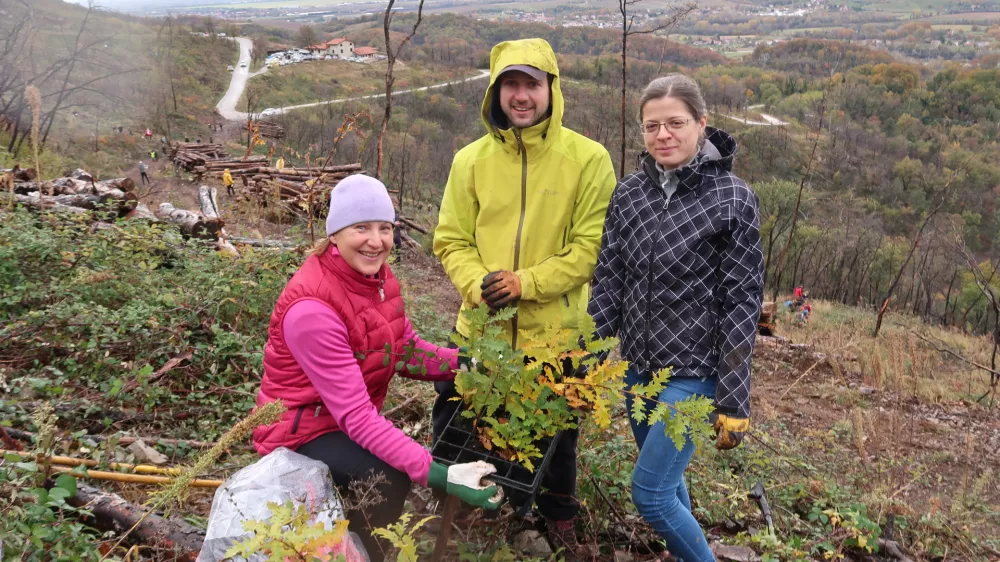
point(321, 246)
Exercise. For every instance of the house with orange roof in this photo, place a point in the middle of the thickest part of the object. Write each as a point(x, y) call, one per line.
point(367, 53)
point(340, 48)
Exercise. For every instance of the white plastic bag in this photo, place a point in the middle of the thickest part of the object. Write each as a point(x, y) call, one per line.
point(280, 477)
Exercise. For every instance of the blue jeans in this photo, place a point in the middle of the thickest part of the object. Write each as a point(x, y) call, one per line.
point(658, 489)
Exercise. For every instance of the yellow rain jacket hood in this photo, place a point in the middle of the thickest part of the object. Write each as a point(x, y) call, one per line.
point(531, 201)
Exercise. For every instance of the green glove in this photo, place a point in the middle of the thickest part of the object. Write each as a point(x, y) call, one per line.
point(464, 481)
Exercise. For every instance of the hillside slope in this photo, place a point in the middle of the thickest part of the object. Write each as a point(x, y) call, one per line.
point(98, 70)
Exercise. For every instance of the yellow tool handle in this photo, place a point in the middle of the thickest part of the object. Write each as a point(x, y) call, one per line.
point(134, 478)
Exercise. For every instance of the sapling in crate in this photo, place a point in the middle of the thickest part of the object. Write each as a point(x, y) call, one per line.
point(517, 401)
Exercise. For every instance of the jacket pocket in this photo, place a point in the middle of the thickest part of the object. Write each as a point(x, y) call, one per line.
point(702, 332)
point(569, 308)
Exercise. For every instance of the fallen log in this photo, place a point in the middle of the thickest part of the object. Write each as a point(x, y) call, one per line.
point(191, 223)
point(141, 212)
point(208, 199)
point(41, 203)
point(263, 243)
point(409, 222)
point(224, 246)
point(21, 174)
point(124, 184)
point(82, 200)
point(59, 186)
point(409, 241)
point(177, 540)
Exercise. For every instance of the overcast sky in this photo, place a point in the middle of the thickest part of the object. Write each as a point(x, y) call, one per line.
point(134, 4)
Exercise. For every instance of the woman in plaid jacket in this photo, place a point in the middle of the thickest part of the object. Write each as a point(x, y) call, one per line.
point(679, 280)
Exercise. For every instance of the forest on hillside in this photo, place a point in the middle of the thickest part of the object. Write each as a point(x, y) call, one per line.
point(897, 144)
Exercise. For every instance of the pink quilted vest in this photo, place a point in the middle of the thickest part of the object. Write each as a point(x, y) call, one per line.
point(372, 309)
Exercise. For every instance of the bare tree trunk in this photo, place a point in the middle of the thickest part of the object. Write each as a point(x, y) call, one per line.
point(915, 242)
point(675, 16)
point(626, 26)
point(390, 62)
point(798, 200)
point(902, 268)
point(69, 72)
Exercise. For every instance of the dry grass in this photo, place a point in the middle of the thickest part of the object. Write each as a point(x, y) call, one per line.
point(897, 361)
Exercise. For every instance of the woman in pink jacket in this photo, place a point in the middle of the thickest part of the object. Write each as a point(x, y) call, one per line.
point(330, 331)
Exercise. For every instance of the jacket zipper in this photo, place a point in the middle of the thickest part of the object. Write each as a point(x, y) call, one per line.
point(381, 289)
point(649, 280)
point(520, 223)
point(298, 418)
point(565, 236)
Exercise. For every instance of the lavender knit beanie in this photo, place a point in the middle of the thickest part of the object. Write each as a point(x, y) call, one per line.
point(358, 198)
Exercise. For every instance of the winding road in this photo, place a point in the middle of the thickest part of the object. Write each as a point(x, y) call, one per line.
point(227, 105)
point(768, 120)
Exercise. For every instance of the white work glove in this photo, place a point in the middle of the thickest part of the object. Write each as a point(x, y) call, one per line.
point(465, 481)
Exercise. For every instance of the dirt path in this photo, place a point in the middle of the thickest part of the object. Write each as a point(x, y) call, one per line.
point(279, 110)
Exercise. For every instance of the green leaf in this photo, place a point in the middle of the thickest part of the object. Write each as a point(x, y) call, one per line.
point(58, 495)
point(41, 494)
point(68, 483)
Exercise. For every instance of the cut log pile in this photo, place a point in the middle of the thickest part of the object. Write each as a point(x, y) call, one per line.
point(20, 174)
point(289, 185)
point(76, 193)
point(231, 164)
point(190, 155)
point(270, 130)
point(80, 193)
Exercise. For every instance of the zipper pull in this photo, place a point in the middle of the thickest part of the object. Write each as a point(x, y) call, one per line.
point(318, 408)
point(381, 289)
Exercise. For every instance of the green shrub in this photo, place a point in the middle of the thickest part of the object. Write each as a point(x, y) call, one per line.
point(102, 309)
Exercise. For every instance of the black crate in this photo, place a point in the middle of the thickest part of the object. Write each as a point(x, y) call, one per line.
point(459, 444)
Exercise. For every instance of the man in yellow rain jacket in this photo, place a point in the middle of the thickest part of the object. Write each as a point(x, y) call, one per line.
point(520, 225)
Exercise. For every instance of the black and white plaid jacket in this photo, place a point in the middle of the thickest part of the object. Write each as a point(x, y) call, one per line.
point(680, 280)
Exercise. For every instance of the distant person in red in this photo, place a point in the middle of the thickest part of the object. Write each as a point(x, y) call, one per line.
point(806, 312)
point(149, 133)
point(798, 293)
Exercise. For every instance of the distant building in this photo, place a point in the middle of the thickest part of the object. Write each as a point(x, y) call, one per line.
point(366, 52)
point(340, 48)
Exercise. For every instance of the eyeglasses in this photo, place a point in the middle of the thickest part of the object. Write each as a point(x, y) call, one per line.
point(652, 128)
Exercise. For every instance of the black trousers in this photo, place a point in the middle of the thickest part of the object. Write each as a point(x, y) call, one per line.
point(351, 462)
point(143, 177)
point(557, 498)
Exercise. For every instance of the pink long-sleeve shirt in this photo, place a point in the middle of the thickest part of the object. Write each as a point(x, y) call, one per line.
point(317, 339)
